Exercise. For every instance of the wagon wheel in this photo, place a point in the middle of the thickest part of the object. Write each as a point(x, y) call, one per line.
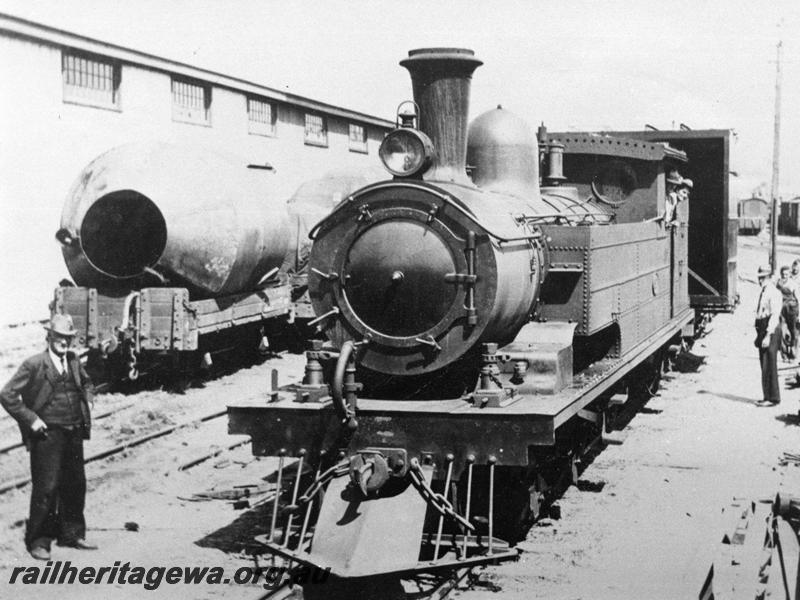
point(181, 371)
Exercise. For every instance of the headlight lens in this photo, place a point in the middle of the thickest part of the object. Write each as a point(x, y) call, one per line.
point(406, 152)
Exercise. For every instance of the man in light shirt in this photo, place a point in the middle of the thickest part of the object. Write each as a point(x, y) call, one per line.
point(49, 396)
point(768, 336)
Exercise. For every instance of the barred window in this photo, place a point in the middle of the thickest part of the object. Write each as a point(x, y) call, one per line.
point(316, 130)
point(90, 80)
point(358, 138)
point(261, 116)
point(191, 102)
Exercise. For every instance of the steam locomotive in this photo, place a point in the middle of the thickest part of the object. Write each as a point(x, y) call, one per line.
point(483, 322)
point(179, 253)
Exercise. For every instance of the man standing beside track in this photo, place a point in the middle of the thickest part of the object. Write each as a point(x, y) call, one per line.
point(768, 336)
point(49, 396)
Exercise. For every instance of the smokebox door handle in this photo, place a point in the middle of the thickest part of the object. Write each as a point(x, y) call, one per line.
point(66, 237)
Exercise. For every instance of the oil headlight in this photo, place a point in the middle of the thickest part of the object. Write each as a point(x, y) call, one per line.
point(406, 152)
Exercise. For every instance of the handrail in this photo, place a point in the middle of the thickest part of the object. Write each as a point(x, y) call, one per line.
point(446, 198)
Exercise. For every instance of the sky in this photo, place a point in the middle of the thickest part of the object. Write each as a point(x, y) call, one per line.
point(574, 65)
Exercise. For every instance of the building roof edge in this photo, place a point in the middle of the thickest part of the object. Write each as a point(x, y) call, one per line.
point(20, 27)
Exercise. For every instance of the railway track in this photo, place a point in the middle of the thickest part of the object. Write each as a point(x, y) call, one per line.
point(22, 481)
point(10, 447)
point(99, 389)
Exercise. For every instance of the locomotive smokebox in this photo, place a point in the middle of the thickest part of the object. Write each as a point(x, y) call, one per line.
point(441, 78)
point(149, 214)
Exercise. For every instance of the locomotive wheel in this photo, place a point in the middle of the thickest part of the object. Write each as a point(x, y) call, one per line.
point(99, 367)
point(645, 380)
point(642, 384)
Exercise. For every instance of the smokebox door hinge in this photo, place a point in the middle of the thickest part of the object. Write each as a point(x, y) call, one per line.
point(468, 279)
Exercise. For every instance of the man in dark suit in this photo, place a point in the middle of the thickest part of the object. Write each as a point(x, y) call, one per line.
point(49, 396)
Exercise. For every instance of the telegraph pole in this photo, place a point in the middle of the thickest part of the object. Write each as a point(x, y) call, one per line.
point(776, 148)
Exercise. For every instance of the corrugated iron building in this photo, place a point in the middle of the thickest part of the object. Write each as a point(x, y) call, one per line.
point(67, 98)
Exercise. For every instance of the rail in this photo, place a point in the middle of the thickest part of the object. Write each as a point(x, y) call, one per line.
point(136, 441)
point(103, 415)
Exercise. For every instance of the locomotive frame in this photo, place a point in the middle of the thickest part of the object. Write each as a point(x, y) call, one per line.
point(418, 478)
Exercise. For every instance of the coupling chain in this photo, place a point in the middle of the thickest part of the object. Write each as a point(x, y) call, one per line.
point(439, 502)
point(133, 363)
point(338, 470)
point(442, 505)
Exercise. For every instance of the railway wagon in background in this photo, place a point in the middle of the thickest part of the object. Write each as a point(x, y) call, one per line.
point(753, 215)
point(180, 253)
point(485, 321)
point(789, 221)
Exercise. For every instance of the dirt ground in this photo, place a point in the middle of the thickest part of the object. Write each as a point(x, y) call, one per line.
point(643, 523)
point(144, 486)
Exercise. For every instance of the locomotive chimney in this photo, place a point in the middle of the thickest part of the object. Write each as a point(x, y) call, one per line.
point(440, 78)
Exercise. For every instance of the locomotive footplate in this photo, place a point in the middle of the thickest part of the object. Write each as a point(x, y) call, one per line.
point(286, 427)
point(504, 433)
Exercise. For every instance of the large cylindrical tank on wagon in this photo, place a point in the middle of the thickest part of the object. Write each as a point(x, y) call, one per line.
point(146, 214)
point(313, 201)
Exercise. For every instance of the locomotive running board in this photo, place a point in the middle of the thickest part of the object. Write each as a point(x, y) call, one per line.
point(287, 427)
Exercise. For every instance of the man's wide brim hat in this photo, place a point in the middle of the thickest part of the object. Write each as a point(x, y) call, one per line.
point(686, 182)
point(674, 178)
point(61, 325)
point(764, 271)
